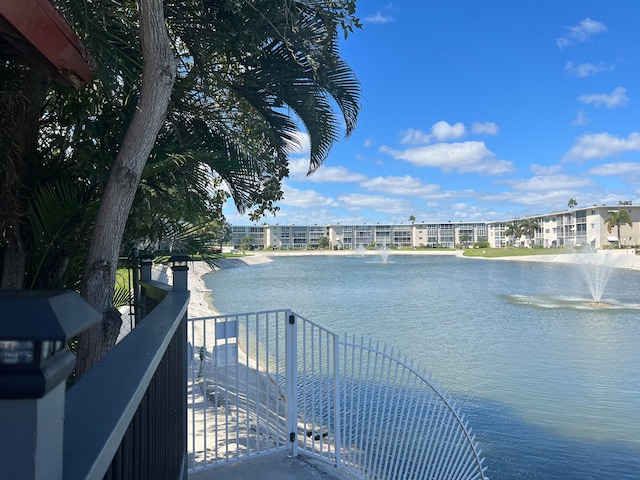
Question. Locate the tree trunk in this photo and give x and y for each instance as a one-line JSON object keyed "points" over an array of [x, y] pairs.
{"points": [[21, 103], [98, 284]]}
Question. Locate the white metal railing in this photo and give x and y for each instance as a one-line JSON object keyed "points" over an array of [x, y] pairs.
{"points": [[267, 381]]}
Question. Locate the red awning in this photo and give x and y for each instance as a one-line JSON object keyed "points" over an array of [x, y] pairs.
{"points": [[37, 33]]}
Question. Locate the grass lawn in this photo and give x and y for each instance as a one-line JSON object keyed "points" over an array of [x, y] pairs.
{"points": [[122, 278], [513, 252]]}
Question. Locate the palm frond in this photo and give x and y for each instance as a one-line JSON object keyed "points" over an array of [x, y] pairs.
{"points": [[58, 219]]}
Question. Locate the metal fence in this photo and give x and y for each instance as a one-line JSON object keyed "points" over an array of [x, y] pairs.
{"points": [[267, 381], [125, 419]]}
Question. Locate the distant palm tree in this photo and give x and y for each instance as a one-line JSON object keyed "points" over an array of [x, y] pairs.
{"points": [[412, 219], [617, 218], [529, 227], [512, 231], [572, 203]]}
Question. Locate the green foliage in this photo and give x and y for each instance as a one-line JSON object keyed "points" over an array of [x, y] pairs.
{"points": [[60, 223], [512, 232], [616, 219], [323, 242], [249, 74], [247, 243], [529, 227]]}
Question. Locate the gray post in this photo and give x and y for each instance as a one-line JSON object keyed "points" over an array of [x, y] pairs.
{"points": [[34, 432], [135, 254], [34, 365], [146, 262], [180, 267]]}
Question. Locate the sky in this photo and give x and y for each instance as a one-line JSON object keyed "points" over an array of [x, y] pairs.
{"points": [[478, 111]]}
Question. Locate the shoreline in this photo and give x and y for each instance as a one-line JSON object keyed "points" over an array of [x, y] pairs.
{"points": [[200, 304]]}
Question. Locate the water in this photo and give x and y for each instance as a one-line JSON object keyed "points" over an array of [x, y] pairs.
{"points": [[550, 386], [384, 253], [597, 271]]}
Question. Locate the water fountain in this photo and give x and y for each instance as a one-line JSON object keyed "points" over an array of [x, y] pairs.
{"points": [[596, 270], [384, 253], [360, 250]]}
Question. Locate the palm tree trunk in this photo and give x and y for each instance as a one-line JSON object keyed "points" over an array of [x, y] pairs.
{"points": [[157, 83]]}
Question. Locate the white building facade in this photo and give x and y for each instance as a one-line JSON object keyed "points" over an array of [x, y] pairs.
{"points": [[586, 226], [353, 237]]}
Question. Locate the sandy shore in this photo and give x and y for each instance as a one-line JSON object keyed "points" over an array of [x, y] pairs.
{"points": [[200, 303]]}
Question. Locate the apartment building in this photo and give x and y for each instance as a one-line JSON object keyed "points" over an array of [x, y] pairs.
{"points": [[586, 226], [352, 237]]}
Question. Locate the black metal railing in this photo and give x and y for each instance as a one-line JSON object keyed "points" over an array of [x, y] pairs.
{"points": [[126, 418]]}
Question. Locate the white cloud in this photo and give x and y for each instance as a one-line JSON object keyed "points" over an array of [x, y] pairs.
{"points": [[486, 128], [617, 98], [545, 169], [378, 18], [443, 131], [298, 171], [440, 131], [414, 137], [391, 206], [580, 120], [464, 157], [541, 201], [580, 33], [304, 198], [405, 186], [601, 145], [301, 145], [369, 142], [583, 70], [548, 183], [622, 169]]}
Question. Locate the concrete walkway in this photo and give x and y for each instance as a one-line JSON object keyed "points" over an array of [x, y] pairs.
{"points": [[274, 466]]}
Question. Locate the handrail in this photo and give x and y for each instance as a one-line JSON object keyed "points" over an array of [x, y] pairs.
{"points": [[455, 412], [356, 405], [102, 405]]}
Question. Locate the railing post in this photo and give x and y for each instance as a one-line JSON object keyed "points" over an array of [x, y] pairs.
{"points": [[291, 365], [146, 264], [34, 364], [337, 423], [135, 260], [180, 267]]}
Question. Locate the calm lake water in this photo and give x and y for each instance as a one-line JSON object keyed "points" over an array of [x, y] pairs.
{"points": [[550, 387]]}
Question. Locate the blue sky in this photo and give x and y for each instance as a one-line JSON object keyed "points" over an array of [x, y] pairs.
{"points": [[480, 111]]}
